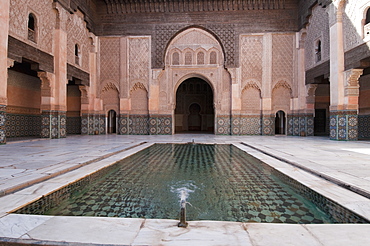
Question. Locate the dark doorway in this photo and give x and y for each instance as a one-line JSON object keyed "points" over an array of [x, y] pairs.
{"points": [[194, 107], [280, 123], [320, 122], [112, 122]]}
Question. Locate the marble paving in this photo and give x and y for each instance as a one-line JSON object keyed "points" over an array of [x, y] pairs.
{"points": [[31, 169]]}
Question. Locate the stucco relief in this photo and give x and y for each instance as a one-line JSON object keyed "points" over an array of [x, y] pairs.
{"points": [[109, 59], [318, 29], [189, 44], [110, 95], [251, 53], [45, 22], [282, 57], [281, 95], [77, 33], [139, 60], [353, 20], [251, 99], [139, 99]]}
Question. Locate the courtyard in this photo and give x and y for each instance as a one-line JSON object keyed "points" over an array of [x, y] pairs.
{"points": [[34, 168]]}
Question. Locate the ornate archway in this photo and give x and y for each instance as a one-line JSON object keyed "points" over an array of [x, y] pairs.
{"points": [[194, 106]]}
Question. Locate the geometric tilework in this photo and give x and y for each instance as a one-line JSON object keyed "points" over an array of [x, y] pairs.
{"points": [[268, 125], [160, 125], [145, 124], [19, 125], [138, 125], [344, 125], [223, 125], [53, 124], [300, 125], [246, 125], [123, 124], [92, 124], [364, 126], [73, 125], [3, 121]]}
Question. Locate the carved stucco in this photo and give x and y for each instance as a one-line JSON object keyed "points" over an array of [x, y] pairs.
{"points": [[109, 59], [77, 33], [45, 16], [251, 55], [139, 68], [282, 57], [353, 21], [318, 29]]}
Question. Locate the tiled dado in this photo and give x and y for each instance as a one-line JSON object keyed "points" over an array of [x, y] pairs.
{"points": [[145, 124], [2, 124], [364, 126], [160, 125], [343, 125], [223, 125], [74, 125], [300, 125], [92, 124], [268, 125], [246, 125], [53, 124]]}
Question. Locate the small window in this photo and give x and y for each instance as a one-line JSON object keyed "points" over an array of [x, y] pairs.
{"points": [[77, 54], [318, 50], [32, 27], [175, 58], [367, 24], [200, 58], [213, 57]]}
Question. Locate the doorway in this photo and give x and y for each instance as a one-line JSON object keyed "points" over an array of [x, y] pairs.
{"points": [[112, 122], [194, 107], [280, 123]]}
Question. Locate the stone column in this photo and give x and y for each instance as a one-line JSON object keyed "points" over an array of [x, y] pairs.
{"points": [[343, 84], [235, 101], [4, 27], [268, 119]]}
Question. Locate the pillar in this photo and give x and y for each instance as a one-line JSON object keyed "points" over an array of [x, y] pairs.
{"points": [[4, 27], [344, 87], [268, 118]]}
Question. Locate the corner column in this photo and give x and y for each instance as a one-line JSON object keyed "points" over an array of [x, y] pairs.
{"points": [[4, 27], [344, 87]]}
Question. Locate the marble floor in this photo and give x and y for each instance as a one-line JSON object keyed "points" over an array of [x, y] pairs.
{"points": [[32, 169]]}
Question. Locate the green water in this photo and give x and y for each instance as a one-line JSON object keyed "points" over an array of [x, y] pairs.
{"points": [[222, 182]]}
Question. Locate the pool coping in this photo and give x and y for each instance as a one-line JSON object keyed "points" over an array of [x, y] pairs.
{"points": [[36, 226]]}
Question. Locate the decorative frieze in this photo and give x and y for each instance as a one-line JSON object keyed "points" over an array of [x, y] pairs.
{"points": [[174, 6]]}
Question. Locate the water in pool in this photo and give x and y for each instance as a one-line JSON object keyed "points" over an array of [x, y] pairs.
{"points": [[221, 182]]}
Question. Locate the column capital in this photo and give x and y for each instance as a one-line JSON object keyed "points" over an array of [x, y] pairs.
{"points": [[10, 63], [310, 96], [352, 82], [46, 79]]}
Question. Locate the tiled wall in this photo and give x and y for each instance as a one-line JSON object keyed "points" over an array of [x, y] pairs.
{"points": [[246, 125], [145, 124], [343, 125], [73, 125], [223, 125], [300, 125], [364, 126], [92, 124], [2, 124], [22, 125]]}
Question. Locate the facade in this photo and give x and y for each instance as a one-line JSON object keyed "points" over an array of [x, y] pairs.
{"points": [[293, 67]]}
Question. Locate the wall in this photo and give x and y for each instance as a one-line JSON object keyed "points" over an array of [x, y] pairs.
{"points": [[23, 117]]}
